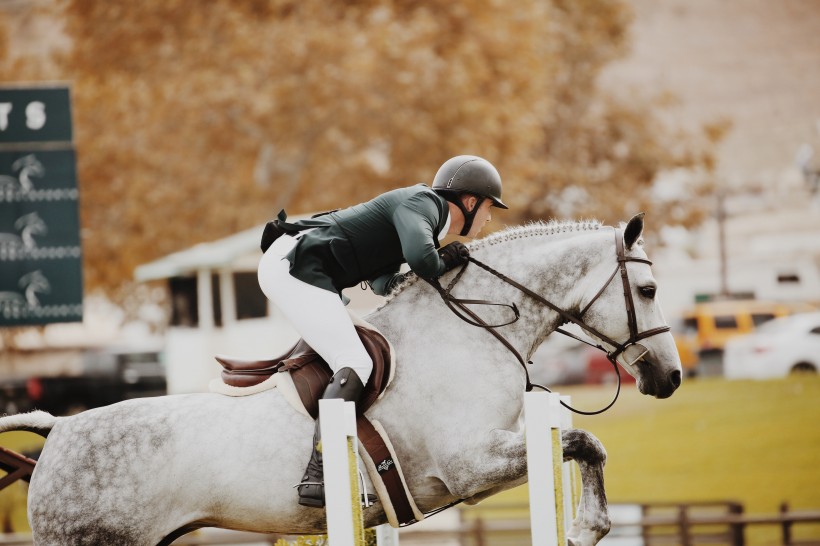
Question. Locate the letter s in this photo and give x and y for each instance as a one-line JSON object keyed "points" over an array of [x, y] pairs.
{"points": [[35, 115]]}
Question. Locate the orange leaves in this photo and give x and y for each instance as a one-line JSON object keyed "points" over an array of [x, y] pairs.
{"points": [[194, 120]]}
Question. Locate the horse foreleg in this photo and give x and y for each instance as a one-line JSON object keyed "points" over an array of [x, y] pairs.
{"points": [[591, 522], [475, 471]]}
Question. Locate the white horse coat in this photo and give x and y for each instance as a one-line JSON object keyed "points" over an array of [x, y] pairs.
{"points": [[144, 471]]}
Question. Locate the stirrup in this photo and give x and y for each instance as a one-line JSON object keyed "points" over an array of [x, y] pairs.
{"points": [[300, 484], [367, 499]]}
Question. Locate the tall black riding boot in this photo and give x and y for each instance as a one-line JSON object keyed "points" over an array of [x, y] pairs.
{"points": [[344, 384]]}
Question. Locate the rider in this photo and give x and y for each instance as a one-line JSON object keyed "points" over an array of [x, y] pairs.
{"points": [[307, 264]]}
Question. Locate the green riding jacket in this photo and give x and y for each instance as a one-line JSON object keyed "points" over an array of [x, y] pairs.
{"points": [[370, 241]]}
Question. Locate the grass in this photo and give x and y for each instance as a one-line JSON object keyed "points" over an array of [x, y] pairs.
{"points": [[754, 442], [13, 498]]}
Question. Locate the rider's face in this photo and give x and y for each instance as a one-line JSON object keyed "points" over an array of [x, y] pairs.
{"points": [[483, 216]]}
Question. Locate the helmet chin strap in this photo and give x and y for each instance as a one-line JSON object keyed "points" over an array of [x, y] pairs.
{"points": [[469, 216]]}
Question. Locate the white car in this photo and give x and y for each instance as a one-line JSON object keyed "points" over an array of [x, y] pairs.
{"points": [[777, 348]]}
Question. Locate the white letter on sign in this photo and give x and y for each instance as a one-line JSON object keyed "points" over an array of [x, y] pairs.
{"points": [[5, 108], [35, 115]]}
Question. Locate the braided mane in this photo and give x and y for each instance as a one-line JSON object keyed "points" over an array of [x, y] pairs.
{"points": [[532, 229], [536, 229]]}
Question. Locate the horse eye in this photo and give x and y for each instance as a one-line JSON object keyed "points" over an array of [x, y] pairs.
{"points": [[648, 291]]}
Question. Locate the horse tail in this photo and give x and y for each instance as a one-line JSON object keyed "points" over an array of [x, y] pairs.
{"points": [[38, 422]]}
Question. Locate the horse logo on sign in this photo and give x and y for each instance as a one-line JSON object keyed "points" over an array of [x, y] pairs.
{"points": [[27, 166], [31, 284], [27, 227]]}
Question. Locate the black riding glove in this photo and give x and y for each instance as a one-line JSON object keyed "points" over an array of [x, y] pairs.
{"points": [[454, 255]]}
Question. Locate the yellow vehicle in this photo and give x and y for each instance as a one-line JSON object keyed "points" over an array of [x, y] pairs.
{"points": [[707, 326], [717, 321], [688, 351]]}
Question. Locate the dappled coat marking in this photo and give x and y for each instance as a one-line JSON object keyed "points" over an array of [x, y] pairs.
{"points": [[137, 472]]}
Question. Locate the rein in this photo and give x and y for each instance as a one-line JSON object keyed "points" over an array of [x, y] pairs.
{"points": [[459, 308]]}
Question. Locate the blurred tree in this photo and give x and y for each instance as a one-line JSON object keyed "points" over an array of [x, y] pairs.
{"points": [[195, 120]]}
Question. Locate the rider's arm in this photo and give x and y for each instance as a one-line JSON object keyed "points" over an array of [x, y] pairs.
{"points": [[415, 222]]}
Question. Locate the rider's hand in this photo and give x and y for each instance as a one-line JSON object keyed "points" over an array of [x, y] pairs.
{"points": [[454, 255]]}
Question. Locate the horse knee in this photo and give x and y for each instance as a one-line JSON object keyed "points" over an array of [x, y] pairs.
{"points": [[501, 461], [580, 445]]}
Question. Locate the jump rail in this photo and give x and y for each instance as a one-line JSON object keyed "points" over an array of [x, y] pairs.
{"points": [[16, 466], [345, 525], [551, 502], [550, 487]]}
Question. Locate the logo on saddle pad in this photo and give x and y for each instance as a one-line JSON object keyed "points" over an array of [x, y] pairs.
{"points": [[385, 465]]}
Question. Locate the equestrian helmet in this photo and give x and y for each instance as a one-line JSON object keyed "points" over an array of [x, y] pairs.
{"points": [[469, 174]]}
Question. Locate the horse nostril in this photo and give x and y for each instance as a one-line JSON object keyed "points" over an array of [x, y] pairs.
{"points": [[674, 377]]}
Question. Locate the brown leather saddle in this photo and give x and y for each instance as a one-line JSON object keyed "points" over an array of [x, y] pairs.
{"points": [[310, 375], [309, 371]]}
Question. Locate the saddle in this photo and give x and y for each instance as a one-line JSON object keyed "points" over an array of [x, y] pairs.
{"points": [[310, 373]]}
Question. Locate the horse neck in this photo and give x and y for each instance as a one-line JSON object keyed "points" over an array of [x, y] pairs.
{"points": [[25, 178], [556, 267]]}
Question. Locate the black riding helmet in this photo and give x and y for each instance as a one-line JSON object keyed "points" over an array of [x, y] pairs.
{"points": [[468, 174]]}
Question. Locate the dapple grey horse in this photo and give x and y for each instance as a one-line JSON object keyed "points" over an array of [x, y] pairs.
{"points": [[145, 471]]}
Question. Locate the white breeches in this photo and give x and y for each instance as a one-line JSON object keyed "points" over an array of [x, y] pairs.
{"points": [[317, 314]]}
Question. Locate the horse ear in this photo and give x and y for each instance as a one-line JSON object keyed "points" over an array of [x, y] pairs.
{"points": [[633, 230]]}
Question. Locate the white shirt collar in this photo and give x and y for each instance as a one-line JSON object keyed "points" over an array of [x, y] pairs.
{"points": [[443, 233]]}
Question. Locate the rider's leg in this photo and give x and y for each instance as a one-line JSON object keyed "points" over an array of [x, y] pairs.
{"points": [[344, 384], [324, 323]]}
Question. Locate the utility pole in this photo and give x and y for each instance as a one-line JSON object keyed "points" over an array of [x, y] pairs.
{"points": [[811, 174], [721, 220]]}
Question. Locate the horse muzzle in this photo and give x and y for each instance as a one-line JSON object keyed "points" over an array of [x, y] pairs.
{"points": [[657, 384]]}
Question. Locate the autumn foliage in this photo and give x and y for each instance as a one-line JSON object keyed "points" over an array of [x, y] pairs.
{"points": [[194, 120]]}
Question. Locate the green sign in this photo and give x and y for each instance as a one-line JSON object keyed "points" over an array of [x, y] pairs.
{"points": [[40, 254], [41, 114]]}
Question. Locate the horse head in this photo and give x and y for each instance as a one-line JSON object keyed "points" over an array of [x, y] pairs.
{"points": [[642, 343], [596, 277]]}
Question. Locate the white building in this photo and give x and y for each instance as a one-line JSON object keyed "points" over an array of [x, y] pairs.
{"points": [[772, 252], [218, 308]]}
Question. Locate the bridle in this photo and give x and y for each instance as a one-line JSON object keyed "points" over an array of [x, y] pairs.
{"points": [[459, 307]]}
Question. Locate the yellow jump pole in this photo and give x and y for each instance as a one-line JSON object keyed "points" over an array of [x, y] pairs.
{"points": [[571, 485], [558, 466]]}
